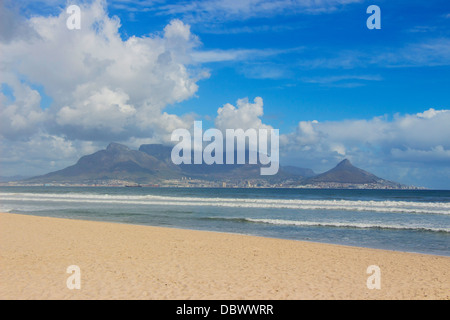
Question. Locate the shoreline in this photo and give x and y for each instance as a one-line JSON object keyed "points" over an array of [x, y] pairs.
{"points": [[233, 233], [127, 261], [306, 187]]}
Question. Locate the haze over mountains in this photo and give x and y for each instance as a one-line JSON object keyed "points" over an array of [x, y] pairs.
{"points": [[152, 165], [345, 172]]}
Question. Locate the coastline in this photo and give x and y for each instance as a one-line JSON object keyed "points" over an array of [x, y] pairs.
{"points": [[121, 261]]}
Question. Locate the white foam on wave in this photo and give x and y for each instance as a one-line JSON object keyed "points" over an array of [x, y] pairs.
{"points": [[297, 204], [347, 225]]}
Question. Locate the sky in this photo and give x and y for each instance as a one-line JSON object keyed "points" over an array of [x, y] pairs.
{"points": [[137, 70]]}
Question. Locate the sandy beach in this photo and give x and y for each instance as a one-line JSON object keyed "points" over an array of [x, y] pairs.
{"points": [[120, 261]]}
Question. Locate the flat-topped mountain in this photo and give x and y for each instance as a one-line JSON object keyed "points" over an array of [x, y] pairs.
{"points": [[152, 164], [116, 162], [304, 172]]}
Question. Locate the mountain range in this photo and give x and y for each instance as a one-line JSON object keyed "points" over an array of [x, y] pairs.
{"points": [[152, 164]]}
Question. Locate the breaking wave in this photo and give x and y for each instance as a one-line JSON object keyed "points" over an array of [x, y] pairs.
{"points": [[357, 225], [296, 204]]}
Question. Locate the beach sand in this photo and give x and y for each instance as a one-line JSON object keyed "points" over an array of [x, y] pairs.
{"points": [[119, 261]]}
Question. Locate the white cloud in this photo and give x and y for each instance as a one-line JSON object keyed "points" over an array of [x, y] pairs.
{"points": [[417, 138], [409, 141], [96, 79], [430, 113], [110, 106], [433, 155], [41, 152], [245, 116], [12, 25], [103, 88], [24, 116]]}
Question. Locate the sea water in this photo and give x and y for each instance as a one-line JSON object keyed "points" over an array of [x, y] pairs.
{"points": [[401, 220]]}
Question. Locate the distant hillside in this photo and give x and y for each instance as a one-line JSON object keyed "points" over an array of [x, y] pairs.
{"points": [[217, 171], [346, 173], [117, 162], [152, 164], [13, 178], [307, 173]]}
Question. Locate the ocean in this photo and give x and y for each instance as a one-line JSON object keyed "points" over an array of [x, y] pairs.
{"points": [[400, 220]]}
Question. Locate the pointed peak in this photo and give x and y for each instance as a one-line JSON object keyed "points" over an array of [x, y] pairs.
{"points": [[344, 162]]}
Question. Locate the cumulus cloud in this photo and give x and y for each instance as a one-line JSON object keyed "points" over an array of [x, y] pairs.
{"points": [[433, 155], [415, 138], [404, 141], [102, 87], [41, 153], [245, 115], [12, 25], [110, 106], [95, 78], [24, 115], [105, 88]]}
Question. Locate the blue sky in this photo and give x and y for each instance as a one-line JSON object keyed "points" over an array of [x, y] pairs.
{"points": [[360, 78], [300, 40], [326, 65], [308, 61]]}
